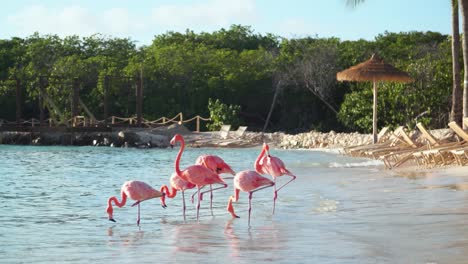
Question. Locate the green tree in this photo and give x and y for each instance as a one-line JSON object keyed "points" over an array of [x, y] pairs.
{"points": [[221, 114]]}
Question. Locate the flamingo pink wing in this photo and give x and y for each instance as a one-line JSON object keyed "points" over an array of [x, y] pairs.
{"points": [[201, 176], [180, 184], [139, 191]]}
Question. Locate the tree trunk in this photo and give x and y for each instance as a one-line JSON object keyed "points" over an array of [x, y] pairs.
{"points": [[457, 92], [374, 115], [277, 89], [464, 14]]}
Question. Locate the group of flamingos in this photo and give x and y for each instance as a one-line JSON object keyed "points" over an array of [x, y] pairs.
{"points": [[206, 171]]}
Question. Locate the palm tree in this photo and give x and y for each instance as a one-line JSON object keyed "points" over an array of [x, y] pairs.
{"points": [[457, 93], [464, 14]]}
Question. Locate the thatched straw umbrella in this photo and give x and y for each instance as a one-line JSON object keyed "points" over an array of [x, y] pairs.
{"points": [[374, 70]]}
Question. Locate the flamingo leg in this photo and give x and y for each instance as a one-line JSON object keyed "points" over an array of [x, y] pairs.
{"points": [[292, 179], [275, 196], [277, 190], [211, 199], [250, 197], [193, 195], [138, 218], [222, 187], [250, 204], [183, 204], [198, 205]]}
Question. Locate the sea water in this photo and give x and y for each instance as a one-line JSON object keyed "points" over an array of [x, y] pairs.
{"points": [[339, 210]]}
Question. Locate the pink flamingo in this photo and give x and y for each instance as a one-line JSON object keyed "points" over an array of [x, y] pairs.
{"points": [[196, 174], [247, 181], [267, 164], [215, 164], [177, 184], [135, 190]]}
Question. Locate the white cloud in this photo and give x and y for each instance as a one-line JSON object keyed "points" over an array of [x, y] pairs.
{"points": [[118, 22], [67, 21], [211, 14], [204, 15]]}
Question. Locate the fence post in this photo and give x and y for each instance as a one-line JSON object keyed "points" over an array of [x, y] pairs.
{"points": [[181, 118], [198, 123]]}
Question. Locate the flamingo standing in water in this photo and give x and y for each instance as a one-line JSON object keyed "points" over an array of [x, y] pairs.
{"points": [[177, 184], [215, 164], [247, 181], [267, 164], [135, 190], [196, 174]]}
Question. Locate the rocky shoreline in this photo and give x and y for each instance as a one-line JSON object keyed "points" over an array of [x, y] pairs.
{"points": [[159, 138]]}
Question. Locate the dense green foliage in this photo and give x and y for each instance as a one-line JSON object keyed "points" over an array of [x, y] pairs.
{"points": [[223, 114], [236, 67]]}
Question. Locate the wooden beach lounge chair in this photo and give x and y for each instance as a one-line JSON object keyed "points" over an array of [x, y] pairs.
{"points": [[381, 137], [400, 153], [460, 154], [442, 154], [400, 157], [363, 150]]}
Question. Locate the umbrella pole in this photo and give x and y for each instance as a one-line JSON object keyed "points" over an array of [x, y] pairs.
{"points": [[374, 116]]}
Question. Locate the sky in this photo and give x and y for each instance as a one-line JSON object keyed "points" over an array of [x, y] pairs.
{"points": [[141, 20]]}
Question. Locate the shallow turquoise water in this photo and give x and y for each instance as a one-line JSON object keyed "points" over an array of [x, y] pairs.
{"points": [[339, 210]]}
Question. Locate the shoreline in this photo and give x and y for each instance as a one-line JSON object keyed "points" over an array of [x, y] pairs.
{"points": [[159, 138]]}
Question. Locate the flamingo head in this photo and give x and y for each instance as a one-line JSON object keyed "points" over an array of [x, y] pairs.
{"points": [[110, 212], [177, 137], [224, 168], [230, 208], [163, 200]]}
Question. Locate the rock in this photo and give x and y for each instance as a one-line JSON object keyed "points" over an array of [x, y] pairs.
{"points": [[130, 137], [152, 140]]}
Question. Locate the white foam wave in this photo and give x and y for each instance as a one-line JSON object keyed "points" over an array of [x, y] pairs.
{"points": [[327, 206], [367, 163]]}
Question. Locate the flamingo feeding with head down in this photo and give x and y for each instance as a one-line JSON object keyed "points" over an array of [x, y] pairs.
{"points": [[177, 184], [215, 164], [247, 181], [135, 190], [196, 174], [267, 164]]}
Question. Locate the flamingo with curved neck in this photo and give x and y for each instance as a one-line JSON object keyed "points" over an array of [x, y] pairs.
{"points": [[196, 174], [177, 184], [267, 164], [136, 190], [247, 181], [217, 165]]}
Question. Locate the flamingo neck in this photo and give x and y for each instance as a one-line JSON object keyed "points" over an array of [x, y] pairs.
{"points": [[114, 199], [234, 198], [236, 195], [177, 161], [169, 193], [258, 166]]}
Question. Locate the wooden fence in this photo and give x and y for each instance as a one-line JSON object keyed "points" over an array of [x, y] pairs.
{"points": [[113, 121]]}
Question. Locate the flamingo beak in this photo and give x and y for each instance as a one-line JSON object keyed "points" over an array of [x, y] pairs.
{"points": [[112, 219]]}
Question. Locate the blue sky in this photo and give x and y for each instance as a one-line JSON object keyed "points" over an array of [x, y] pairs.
{"points": [[293, 18]]}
